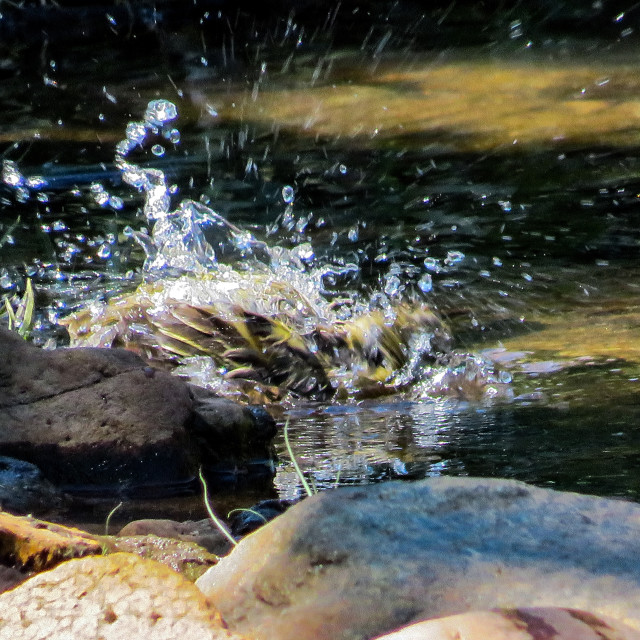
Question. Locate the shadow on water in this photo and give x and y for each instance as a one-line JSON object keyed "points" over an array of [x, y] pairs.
{"points": [[498, 181]]}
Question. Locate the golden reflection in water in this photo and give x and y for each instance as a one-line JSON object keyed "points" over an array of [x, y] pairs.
{"points": [[465, 107]]}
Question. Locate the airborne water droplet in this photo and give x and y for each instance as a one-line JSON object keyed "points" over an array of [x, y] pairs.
{"points": [[157, 150], [426, 283], [288, 194], [104, 251], [160, 111]]}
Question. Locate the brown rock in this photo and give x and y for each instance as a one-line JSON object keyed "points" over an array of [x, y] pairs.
{"points": [[186, 558], [358, 562], [36, 545], [93, 416], [201, 532], [518, 624], [114, 597], [102, 420]]}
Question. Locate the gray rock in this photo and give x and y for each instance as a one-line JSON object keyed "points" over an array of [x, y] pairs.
{"points": [[358, 562], [23, 488]]}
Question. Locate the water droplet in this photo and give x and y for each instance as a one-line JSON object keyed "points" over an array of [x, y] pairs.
{"points": [[11, 175], [115, 202], [124, 146], [42, 197], [157, 150], [343, 169], [304, 251], [36, 182], [453, 257], [432, 264], [104, 251], [353, 234], [426, 283], [496, 262], [174, 136], [128, 231], [58, 225], [288, 194], [5, 281], [505, 377], [136, 132], [160, 111], [393, 286]]}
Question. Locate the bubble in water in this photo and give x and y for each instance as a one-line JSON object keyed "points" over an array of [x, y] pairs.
{"points": [[42, 197], [58, 225], [157, 150], [505, 377], [11, 174], [343, 169], [426, 283], [104, 251], [496, 262], [128, 231], [353, 234], [288, 194], [160, 111]]}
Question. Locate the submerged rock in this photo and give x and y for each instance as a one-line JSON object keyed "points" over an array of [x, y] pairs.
{"points": [[358, 562], [102, 420], [111, 597]]}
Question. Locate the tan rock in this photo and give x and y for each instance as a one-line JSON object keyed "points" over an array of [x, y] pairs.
{"points": [[518, 624], [36, 545], [359, 562], [116, 597]]}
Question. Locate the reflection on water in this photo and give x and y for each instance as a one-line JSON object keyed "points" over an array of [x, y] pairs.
{"points": [[500, 188]]}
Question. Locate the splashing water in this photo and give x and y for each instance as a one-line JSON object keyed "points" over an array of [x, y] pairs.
{"points": [[265, 322]]}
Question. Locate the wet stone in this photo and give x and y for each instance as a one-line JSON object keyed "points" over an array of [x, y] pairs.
{"points": [[357, 562]]}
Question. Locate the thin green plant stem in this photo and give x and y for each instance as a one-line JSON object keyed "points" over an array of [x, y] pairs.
{"points": [[299, 473], [214, 518], [255, 513], [108, 520]]}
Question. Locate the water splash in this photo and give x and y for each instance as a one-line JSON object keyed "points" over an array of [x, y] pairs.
{"points": [[263, 318]]}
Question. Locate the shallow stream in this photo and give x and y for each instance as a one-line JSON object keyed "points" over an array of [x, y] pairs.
{"points": [[499, 183]]}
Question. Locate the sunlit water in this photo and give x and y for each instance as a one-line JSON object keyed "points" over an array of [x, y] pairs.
{"points": [[521, 232]]}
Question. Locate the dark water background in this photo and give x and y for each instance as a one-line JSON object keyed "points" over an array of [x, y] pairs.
{"points": [[549, 231]]}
